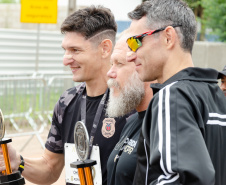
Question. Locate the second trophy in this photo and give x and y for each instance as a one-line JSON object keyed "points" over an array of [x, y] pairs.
{"points": [[84, 166]]}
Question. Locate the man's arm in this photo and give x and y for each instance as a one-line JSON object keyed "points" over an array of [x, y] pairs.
{"points": [[43, 170]]}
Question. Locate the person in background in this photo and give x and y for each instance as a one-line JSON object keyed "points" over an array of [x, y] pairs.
{"points": [[89, 36], [222, 76], [184, 128], [127, 92]]}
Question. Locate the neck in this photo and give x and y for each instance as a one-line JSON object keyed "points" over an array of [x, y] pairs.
{"points": [[175, 64], [147, 97], [98, 85], [96, 88]]}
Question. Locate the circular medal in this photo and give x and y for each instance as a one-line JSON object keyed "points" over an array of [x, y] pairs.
{"points": [[2, 125], [81, 139]]}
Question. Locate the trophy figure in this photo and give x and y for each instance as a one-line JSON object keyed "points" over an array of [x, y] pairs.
{"points": [[7, 177], [81, 139]]}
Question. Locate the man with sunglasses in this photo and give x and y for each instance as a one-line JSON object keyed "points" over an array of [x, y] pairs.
{"points": [[183, 137], [89, 36]]}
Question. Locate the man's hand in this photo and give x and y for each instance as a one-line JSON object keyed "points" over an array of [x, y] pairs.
{"points": [[14, 158]]}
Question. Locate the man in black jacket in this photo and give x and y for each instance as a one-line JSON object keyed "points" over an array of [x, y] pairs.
{"points": [[184, 133]]}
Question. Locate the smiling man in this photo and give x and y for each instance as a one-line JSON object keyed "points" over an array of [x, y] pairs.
{"points": [[88, 43], [184, 128]]}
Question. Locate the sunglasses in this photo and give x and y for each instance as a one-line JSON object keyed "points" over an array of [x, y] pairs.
{"points": [[135, 42]]}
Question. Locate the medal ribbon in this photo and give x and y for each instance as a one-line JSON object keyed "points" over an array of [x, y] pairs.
{"points": [[96, 119]]}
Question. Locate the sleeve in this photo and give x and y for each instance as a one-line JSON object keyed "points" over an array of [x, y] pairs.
{"points": [[54, 141], [182, 155]]}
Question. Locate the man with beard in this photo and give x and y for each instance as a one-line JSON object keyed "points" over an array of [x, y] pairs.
{"points": [[127, 92]]}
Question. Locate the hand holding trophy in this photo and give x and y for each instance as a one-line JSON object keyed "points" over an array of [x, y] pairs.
{"points": [[7, 177], [81, 139]]}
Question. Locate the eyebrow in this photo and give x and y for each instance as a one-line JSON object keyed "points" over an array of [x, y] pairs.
{"points": [[72, 47]]}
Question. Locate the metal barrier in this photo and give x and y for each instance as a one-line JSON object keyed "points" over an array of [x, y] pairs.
{"points": [[29, 100]]}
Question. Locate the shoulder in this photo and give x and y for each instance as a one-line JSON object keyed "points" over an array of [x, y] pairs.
{"points": [[178, 89], [131, 121], [65, 100]]}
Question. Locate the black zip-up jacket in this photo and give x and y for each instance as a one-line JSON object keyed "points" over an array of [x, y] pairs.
{"points": [[183, 137]]}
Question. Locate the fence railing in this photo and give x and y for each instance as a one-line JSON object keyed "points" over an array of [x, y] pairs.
{"points": [[27, 101]]}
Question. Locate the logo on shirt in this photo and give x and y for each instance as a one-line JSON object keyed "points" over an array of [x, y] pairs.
{"points": [[108, 127], [127, 145]]}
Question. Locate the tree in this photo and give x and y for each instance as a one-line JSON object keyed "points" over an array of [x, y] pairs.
{"points": [[215, 14], [198, 8]]}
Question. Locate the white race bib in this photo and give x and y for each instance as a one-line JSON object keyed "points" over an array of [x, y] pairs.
{"points": [[72, 173]]}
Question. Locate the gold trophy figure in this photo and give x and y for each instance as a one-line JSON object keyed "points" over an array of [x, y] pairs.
{"points": [[7, 177], [81, 139]]}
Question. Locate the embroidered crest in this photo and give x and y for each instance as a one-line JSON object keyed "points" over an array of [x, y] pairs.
{"points": [[108, 127]]}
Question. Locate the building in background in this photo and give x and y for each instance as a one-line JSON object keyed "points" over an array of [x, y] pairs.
{"points": [[10, 13]]}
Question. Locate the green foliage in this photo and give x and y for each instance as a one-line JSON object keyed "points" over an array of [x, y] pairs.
{"points": [[212, 14], [194, 3], [215, 14], [8, 1]]}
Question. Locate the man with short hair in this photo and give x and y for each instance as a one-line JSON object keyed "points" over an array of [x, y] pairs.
{"points": [[184, 127], [89, 36], [127, 92], [222, 76]]}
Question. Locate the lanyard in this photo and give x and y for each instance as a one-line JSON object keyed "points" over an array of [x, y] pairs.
{"points": [[96, 119]]}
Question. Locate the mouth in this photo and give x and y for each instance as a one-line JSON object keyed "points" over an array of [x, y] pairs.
{"points": [[76, 68], [112, 84], [138, 66]]}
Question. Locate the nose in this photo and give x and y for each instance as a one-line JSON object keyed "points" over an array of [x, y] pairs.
{"points": [[112, 73], [68, 59], [131, 56]]}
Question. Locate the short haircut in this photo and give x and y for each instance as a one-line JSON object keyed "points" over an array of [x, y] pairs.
{"points": [[161, 13], [91, 21]]}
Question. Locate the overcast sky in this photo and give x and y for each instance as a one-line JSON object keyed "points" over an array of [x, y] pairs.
{"points": [[63, 2], [120, 8]]}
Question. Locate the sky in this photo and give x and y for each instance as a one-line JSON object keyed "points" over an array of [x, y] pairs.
{"points": [[63, 2], [120, 8]]}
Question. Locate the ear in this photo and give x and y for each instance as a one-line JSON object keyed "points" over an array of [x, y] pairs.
{"points": [[106, 48], [170, 37]]}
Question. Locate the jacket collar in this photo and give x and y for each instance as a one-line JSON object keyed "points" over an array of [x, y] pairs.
{"points": [[191, 74]]}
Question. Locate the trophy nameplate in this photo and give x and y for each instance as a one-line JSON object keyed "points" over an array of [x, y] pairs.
{"points": [[7, 177], [81, 139]]}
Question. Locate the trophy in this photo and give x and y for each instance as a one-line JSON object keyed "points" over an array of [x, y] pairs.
{"points": [[7, 177], [84, 166]]}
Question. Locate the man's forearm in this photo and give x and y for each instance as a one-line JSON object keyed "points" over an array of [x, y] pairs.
{"points": [[43, 170]]}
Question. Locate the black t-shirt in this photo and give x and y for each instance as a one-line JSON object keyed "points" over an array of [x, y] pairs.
{"points": [[68, 111], [122, 161]]}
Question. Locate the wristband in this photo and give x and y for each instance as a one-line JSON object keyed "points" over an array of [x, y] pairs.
{"points": [[21, 167]]}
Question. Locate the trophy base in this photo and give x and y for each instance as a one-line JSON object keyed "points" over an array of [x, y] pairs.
{"points": [[12, 179], [5, 141], [83, 164]]}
